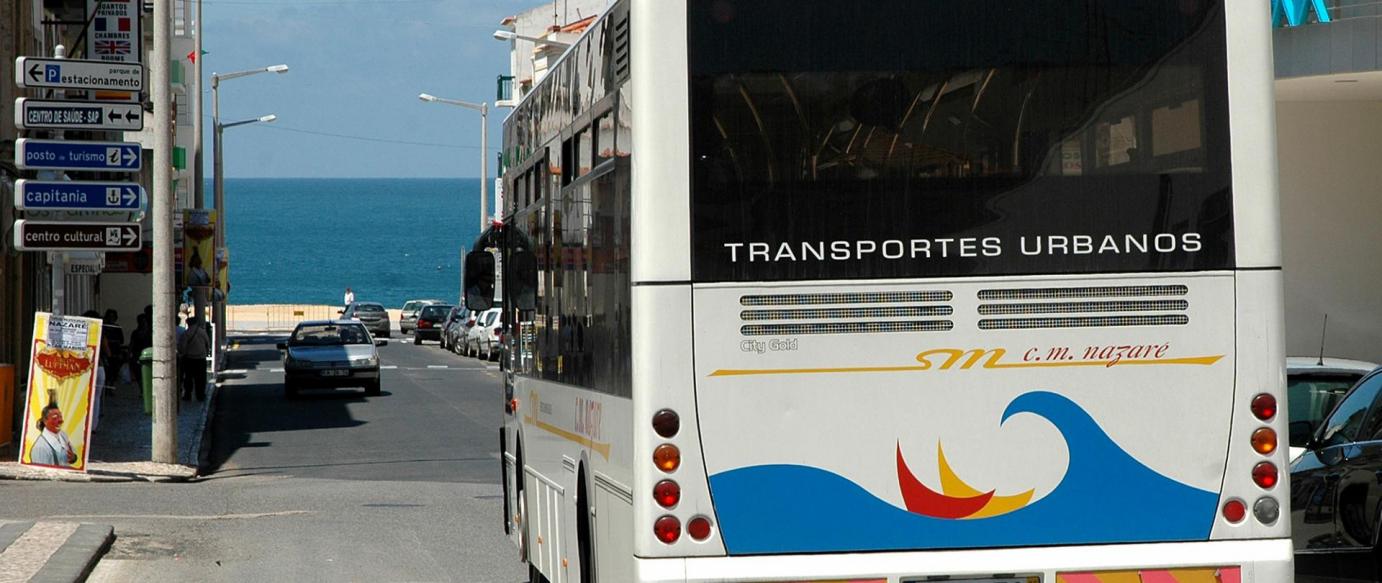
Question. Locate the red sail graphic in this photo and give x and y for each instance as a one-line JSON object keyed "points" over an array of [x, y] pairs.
{"points": [[927, 502]]}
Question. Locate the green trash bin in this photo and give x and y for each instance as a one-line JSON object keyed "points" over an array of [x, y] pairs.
{"points": [[146, 378]]}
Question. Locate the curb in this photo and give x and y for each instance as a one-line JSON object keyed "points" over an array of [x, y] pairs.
{"points": [[203, 438], [77, 557]]}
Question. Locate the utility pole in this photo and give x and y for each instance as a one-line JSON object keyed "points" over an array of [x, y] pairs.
{"points": [[165, 423], [58, 281], [199, 299]]}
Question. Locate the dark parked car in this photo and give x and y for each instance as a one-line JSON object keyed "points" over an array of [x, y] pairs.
{"points": [[429, 322], [329, 354], [1336, 487], [371, 314], [407, 317], [453, 330]]}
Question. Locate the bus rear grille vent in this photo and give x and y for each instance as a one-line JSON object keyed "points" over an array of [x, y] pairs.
{"points": [[846, 313], [1056, 293], [847, 298], [846, 328], [1141, 310]]}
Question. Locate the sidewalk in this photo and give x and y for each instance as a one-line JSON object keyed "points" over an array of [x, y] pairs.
{"points": [[122, 443]]}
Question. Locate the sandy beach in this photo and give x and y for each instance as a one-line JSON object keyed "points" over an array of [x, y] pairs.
{"points": [[283, 317]]}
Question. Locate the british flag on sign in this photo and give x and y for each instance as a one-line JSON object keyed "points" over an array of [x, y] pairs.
{"points": [[112, 47]]}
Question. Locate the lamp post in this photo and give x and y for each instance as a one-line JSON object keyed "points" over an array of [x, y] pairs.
{"points": [[483, 108], [219, 306], [511, 35]]}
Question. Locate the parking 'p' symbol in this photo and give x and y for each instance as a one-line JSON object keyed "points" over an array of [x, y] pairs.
{"points": [[52, 73]]}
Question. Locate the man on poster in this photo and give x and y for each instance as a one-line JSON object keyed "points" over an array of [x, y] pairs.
{"points": [[52, 448], [65, 357]]}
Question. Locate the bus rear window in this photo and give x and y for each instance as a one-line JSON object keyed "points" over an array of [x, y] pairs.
{"points": [[1057, 137]]}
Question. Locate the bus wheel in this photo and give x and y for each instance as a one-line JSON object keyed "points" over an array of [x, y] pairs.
{"points": [[584, 536]]}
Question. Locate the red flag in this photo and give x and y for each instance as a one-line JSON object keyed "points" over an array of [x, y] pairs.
{"points": [[192, 56]]}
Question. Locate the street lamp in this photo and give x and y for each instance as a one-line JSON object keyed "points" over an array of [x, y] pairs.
{"points": [[511, 35], [219, 306], [483, 108]]}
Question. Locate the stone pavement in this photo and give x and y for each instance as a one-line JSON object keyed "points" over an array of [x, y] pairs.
{"points": [[122, 443], [51, 552], [121, 446]]}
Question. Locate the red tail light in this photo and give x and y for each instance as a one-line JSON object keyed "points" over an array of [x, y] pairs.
{"points": [[1265, 475], [1264, 406], [667, 529], [699, 528], [667, 493], [424, 323], [1235, 510]]}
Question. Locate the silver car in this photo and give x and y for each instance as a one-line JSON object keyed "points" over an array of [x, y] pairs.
{"points": [[324, 354], [371, 314], [407, 318]]}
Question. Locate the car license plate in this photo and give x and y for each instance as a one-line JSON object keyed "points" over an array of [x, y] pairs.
{"points": [[335, 373]]}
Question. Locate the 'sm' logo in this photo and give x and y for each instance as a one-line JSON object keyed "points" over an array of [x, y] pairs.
{"points": [[953, 357]]}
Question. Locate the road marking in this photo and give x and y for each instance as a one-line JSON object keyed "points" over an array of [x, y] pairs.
{"points": [[389, 367], [237, 371], [186, 517], [275, 370], [437, 366]]}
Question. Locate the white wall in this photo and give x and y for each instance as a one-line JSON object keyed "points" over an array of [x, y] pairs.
{"points": [[1331, 201]]}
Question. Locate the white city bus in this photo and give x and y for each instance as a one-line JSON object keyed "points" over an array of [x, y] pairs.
{"points": [[901, 290]]}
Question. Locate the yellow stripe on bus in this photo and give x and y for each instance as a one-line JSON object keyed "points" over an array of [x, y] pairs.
{"points": [[1196, 360]]}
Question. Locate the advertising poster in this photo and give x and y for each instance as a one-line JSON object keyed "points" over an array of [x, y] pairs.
{"points": [[198, 248], [115, 31], [62, 379]]}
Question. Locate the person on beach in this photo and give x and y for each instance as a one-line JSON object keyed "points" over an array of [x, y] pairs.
{"points": [[349, 297], [52, 448]]}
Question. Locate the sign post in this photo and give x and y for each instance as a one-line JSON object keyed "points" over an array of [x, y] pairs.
{"points": [[78, 115], [62, 236], [41, 73], [78, 196], [32, 154]]}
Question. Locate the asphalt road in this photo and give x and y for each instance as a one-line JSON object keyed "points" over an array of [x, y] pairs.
{"points": [[332, 486]]}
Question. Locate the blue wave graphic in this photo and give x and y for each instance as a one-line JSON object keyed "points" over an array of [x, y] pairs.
{"points": [[1106, 496]]}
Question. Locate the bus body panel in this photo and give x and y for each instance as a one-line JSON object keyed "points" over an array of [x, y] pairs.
{"points": [[1251, 95], [967, 436], [1262, 560], [662, 233]]}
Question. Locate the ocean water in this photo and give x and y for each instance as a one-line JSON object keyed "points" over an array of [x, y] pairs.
{"points": [[304, 240]]}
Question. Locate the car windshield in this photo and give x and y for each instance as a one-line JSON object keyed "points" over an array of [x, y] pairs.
{"points": [[489, 318], [1310, 397], [435, 311], [370, 309], [329, 335]]}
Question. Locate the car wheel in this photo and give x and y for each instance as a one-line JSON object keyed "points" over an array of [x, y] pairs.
{"points": [[290, 390], [417, 339], [372, 389]]}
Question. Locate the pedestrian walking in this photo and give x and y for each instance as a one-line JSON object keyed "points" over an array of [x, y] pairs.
{"points": [[192, 351], [349, 297]]}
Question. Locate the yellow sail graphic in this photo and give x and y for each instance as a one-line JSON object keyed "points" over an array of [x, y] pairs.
{"points": [[953, 486]]}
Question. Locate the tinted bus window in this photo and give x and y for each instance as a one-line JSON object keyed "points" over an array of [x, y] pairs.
{"points": [[996, 143]]}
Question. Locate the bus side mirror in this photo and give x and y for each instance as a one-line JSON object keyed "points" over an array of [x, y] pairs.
{"points": [[479, 280], [523, 287]]}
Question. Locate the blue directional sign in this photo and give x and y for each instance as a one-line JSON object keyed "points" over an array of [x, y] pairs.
{"points": [[78, 196], [68, 155]]}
